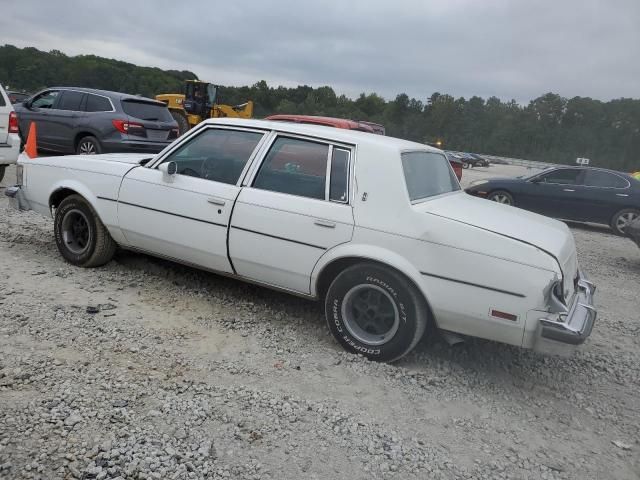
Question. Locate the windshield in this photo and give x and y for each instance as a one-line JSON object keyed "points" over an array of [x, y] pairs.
{"points": [[428, 174]]}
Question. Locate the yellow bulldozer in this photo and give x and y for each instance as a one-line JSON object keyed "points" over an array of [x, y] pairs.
{"points": [[199, 102]]}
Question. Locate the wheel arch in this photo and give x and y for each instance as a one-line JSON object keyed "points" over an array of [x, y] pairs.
{"points": [[337, 260], [64, 190], [80, 135]]}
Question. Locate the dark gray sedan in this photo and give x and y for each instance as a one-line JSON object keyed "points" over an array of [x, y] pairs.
{"points": [[582, 194], [87, 121]]}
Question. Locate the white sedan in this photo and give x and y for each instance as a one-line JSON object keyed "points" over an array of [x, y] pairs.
{"points": [[375, 227]]}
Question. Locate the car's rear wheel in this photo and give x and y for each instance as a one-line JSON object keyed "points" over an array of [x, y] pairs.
{"points": [[465, 164], [501, 196], [81, 237], [623, 219], [181, 120], [88, 145], [375, 311]]}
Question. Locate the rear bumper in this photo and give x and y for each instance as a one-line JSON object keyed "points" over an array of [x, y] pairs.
{"points": [[9, 151], [558, 332], [17, 198], [134, 146]]}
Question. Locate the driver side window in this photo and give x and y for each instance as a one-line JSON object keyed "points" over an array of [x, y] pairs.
{"points": [[562, 176], [45, 99], [218, 155]]}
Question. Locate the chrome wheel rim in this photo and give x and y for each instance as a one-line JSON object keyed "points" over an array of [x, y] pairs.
{"points": [[370, 314], [626, 219], [76, 233], [87, 148], [501, 198]]}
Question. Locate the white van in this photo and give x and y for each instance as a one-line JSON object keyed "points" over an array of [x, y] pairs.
{"points": [[9, 136]]}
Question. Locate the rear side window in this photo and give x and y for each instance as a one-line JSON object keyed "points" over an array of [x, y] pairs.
{"points": [[96, 103], [428, 174], [217, 155], [296, 167], [70, 101], [338, 188], [147, 111], [597, 178]]}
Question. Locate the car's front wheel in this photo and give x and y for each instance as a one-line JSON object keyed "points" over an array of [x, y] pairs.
{"points": [[623, 219], [88, 145], [375, 311], [466, 164], [501, 196], [81, 237]]}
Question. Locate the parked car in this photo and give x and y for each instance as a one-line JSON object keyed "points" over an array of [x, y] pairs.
{"points": [[377, 228], [583, 194], [360, 126], [87, 121], [18, 97], [633, 231], [456, 164], [9, 138], [477, 161]]}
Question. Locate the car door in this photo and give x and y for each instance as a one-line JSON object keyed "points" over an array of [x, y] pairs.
{"points": [[64, 118], [601, 195], [295, 207], [552, 193], [186, 216], [37, 110]]}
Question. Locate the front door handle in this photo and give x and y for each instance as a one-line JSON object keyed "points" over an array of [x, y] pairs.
{"points": [[622, 195], [216, 201], [568, 190], [324, 223]]}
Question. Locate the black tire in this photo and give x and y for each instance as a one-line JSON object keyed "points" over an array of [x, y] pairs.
{"points": [[2, 170], [622, 219], [465, 165], [81, 237], [88, 145], [181, 120], [501, 196], [398, 300]]}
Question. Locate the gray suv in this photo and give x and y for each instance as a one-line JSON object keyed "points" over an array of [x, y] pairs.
{"points": [[87, 121]]}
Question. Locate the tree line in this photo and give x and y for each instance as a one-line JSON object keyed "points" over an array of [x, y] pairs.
{"points": [[550, 128]]}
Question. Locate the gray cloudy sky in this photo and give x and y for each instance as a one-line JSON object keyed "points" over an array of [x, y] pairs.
{"points": [[509, 48]]}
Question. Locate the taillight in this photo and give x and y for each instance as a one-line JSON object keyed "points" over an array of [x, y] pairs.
{"points": [[13, 123], [130, 128]]}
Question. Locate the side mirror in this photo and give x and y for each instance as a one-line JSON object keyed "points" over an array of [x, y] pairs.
{"points": [[27, 104], [168, 169]]}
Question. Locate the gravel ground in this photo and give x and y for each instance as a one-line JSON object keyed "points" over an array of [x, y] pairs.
{"points": [[144, 369]]}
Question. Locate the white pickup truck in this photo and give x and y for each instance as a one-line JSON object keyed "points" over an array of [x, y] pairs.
{"points": [[375, 227], [9, 137]]}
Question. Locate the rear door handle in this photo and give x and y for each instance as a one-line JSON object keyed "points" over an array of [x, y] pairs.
{"points": [[568, 190], [324, 223], [622, 194], [216, 201]]}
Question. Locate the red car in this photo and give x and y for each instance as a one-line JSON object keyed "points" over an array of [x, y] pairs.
{"points": [[368, 127]]}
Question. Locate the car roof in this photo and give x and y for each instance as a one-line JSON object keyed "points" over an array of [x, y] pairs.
{"points": [[330, 133], [108, 93], [319, 120], [582, 167]]}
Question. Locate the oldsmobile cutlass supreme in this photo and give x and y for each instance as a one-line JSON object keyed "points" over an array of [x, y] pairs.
{"points": [[375, 227]]}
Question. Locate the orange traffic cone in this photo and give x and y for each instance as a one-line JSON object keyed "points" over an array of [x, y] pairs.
{"points": [[31, 147]]}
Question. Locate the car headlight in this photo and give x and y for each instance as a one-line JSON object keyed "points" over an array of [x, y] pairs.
{"points": [[19, 174]]}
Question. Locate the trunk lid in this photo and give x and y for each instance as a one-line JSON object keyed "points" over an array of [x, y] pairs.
{"points": [[550, 235], [155, 118]]}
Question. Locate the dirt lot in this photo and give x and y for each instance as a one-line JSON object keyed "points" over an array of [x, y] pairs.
{"points": [[183, 374]]}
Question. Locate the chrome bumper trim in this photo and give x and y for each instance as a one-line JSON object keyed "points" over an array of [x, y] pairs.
{"points": [[574, 326]]}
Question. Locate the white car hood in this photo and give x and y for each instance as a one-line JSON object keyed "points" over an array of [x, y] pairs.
{"points": [[549, 235]]}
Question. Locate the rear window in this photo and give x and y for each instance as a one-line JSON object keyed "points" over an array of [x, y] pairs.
{"points": [[428, 174], [147, 111]]}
